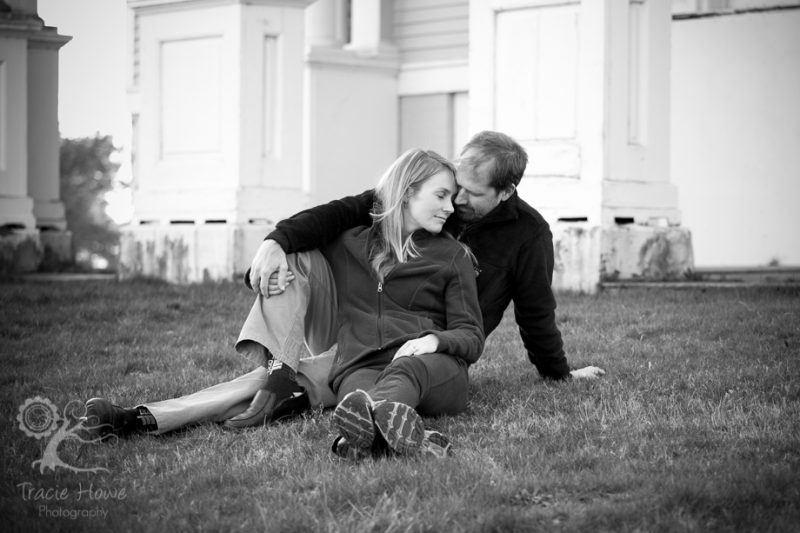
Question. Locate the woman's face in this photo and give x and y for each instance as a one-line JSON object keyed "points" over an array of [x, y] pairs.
{"points": [[431, 205]]}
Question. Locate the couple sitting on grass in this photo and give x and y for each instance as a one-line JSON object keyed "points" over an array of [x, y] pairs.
{"points": [[405, 291]]}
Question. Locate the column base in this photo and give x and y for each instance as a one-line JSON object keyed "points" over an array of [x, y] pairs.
{"points": [[49, 214], [57, 247], [189, 253], [21, 251], [587, 255]]}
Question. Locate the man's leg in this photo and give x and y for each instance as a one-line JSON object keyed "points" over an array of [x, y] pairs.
{"points": [[213, 404], [301, 320], [300, 304], [216, 403]]}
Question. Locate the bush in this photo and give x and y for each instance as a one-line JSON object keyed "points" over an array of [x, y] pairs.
{"points": [[87, 174]]}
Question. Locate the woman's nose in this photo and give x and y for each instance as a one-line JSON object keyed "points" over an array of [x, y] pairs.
{"points": [[448, 206], [460, 197]]}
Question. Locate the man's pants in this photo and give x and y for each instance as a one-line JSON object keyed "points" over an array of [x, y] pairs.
{"points": [[300, 322]]}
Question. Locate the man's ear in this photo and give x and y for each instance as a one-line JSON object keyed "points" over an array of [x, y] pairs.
{"points": [[506, 193]]}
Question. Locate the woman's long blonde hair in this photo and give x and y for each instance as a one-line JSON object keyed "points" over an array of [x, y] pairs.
{"points": [[400, 182]]}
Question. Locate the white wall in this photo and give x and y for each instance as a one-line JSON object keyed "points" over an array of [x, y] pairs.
{"points": [[736, 136]]}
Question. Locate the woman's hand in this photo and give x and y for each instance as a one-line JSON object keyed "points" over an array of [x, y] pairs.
{"points": [[427, 344], [274, 288], [269, 271]]}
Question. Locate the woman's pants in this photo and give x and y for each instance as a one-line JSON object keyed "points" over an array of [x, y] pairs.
{"points": [[433, 383]]}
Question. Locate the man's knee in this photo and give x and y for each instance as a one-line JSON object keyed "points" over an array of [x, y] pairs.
{"points": [[303, 264]]}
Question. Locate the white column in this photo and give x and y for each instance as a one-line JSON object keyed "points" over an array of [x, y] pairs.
{"points": [[637, 65], [43, 135], [371, 26], [350, 101], [16, 206], [218, 90], [326, 24], [583, 85], [29, 146]]}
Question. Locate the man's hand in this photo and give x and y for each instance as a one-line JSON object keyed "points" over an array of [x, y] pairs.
{"points": [[269, 271], [427, 344], [588, 372]]}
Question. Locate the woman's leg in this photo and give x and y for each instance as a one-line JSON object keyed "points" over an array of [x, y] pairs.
{"points": [[363, 378], [434, 384]]}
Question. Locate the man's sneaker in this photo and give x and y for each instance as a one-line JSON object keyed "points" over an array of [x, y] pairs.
{"points": [[434, 444], [400, 426], [352, 419], [104, 419]]}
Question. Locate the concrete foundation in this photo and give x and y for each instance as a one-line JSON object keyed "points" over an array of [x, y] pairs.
{"points": [[23, 251], [190, 253], [57, 247], [20, 251], [587, 255]]}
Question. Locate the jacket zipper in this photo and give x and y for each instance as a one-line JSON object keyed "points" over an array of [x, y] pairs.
{"points": [[380, 313]]}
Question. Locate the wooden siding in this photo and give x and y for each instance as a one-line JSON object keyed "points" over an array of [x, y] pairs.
{"points": [[431, 30]]}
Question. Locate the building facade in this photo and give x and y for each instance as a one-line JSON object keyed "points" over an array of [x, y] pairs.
{"points": [[245, 112], [257, 109]]}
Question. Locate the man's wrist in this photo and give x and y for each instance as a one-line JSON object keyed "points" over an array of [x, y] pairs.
{"points": [[279, 238]]}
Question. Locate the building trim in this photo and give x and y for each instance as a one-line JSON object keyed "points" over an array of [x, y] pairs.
{"points": [[170, 5], [321, 55], [433, 77], [726, 13]]}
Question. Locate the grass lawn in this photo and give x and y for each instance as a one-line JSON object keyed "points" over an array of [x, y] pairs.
{"points": [[695, 427]]}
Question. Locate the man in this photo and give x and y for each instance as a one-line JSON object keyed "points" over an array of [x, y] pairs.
{"points": [[514, 250]]}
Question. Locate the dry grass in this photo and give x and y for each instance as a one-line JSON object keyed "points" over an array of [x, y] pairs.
{"points": [[694, 428]]}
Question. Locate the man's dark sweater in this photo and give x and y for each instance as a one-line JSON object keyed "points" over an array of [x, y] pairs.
{"points": [[514, 248]]}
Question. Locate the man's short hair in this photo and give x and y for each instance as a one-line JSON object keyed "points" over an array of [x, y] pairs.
{"points": [[508, 156]]}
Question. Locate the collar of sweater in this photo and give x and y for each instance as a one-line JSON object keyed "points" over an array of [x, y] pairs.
{"points": [[504, 211]]}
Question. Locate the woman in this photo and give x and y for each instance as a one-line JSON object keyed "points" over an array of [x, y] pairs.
{"points": [[410, 324]]}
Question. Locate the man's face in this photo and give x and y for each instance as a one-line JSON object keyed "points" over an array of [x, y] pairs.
{"points": [[475, 197]]}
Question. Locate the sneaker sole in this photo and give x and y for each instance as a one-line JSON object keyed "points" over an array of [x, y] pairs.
{"points": [[352, 418], [400, 426], [436, 445], [345, 450]]}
